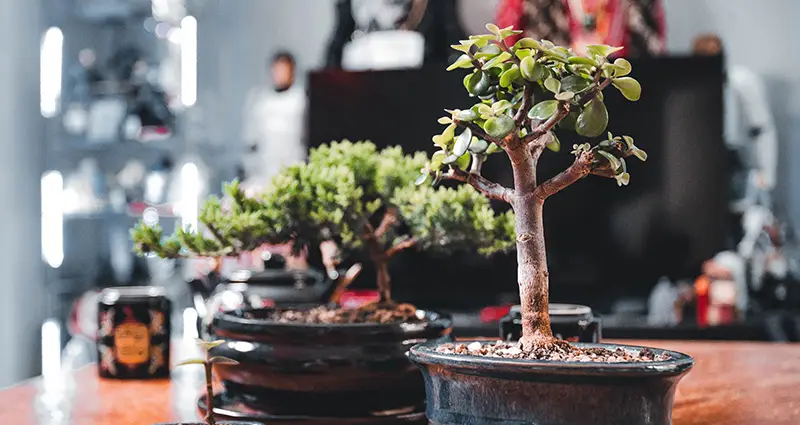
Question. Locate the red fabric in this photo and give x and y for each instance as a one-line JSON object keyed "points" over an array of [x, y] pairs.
{"points": [[509, 14]]}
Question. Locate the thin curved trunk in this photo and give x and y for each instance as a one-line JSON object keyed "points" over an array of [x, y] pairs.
{"points": [[532, 274], [384, 281]]}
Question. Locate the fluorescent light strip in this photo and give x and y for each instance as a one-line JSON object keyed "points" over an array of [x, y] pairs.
{"points": [[51, 57], [188, 41], [52, 186]]}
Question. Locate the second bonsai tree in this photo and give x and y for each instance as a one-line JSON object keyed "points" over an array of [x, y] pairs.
{"points": [[524, 92], [354, 195]]}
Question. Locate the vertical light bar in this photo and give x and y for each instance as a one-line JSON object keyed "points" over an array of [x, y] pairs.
{"points": [[188, 60], [190, 191], [190, 324], [50, 62], [52, 218], [51, 352]]}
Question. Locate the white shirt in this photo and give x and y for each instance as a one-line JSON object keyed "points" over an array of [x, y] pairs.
{"points": [[275, 124]]}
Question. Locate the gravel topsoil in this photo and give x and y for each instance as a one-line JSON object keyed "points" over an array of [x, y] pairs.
{"points": [[561, 351]]}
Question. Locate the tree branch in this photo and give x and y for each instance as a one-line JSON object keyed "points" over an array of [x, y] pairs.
{"points": [[405, 244], [388, 220], [478, 131], [592, 92], [522, 114], [578, 170], [545, 127], [490, 189]]}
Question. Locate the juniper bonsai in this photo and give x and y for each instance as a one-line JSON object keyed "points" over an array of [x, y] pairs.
{"points": [[568, 89], [359, 197]]}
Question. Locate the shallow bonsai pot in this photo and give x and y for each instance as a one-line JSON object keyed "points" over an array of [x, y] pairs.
{"points": [[472, 390], [331, 370]]}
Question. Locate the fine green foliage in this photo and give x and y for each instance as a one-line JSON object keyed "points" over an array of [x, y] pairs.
{"points": [[453, 219], [347, 192], [519, 88]]}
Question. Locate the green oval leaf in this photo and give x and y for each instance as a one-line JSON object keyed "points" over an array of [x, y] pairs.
{"points": [[526, 43], [499, 127], [629, 88], [623, 179], [222, 360], [483, 85], [492, 28], [628, 141], [463, 61], [531, 70], [575, 83], [466, 115], [471, 80], [462, 142], [437, 140], [464, 46], [622, 67], [497, 60], [565, 95], [601, 49], [641, 154], [207, 345], [554, 144], [568, 122], [449, 134], [478, 145], [508, 77], [463, 161], [445, 120], [543, 110], [593, 121], [552, 84], [449, 159], [500, 106], [493, 148], [488, 51], [421, 179], [485, 111], [437, 160], [580, 60], [522, 53], [192, 361], [612, 160]]}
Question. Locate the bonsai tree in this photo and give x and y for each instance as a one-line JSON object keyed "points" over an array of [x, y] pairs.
{"points": [[348, 193], [524, 92], [208, 362]]}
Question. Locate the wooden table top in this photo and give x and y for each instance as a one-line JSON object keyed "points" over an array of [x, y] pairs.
{"points": [[732, 383]]}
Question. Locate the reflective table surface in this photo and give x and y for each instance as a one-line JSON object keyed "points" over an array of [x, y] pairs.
{"points": [[732, 383]]}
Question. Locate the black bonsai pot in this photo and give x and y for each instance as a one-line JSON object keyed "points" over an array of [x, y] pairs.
{"points": [[472, 390], [332, 370]]}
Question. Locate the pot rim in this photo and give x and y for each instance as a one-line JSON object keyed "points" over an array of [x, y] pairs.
{"points": [[233, 318], [425, 354]]}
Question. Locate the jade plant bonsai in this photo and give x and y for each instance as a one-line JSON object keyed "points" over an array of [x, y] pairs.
{"points": [[524, 92], [208, 363], [352, 194]]}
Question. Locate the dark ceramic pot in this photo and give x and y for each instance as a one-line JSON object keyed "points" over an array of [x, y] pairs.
{"points": [[471, 390], [342, 370]]}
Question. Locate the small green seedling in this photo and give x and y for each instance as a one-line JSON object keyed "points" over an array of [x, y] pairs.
{"points": [[208, 363]]}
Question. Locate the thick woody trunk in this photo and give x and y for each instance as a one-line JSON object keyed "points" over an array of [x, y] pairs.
{"points": [[532, 275], [384, 281]]}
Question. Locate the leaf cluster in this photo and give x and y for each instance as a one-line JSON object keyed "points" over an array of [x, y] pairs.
{"points": [[519, 87], [339, 194]]}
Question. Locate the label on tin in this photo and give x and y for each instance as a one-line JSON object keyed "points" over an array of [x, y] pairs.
{"points": [[132, 343]]}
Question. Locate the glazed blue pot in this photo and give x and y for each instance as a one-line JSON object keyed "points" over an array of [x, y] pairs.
{"points": [[473, 390]]}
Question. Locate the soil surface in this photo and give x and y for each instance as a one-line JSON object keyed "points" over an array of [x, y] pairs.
{"points": [[326, 314], [560, 351]]}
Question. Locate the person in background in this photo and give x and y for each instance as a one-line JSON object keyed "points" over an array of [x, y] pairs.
{"points": [[636, 25], [274, 127]]}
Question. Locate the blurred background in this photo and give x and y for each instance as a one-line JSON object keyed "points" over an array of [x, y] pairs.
{"points": [[114, 111]]}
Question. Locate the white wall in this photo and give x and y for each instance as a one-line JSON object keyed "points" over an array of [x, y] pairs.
{"points": [[764, 36], [22, 295]]}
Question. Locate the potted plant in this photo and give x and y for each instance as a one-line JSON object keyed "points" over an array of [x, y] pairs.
{"points": [[345, 362], [525, 91], [208, 362]]}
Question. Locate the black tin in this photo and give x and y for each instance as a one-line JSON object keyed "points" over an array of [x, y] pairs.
{"points": [[570, 322], [133, 337]]}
